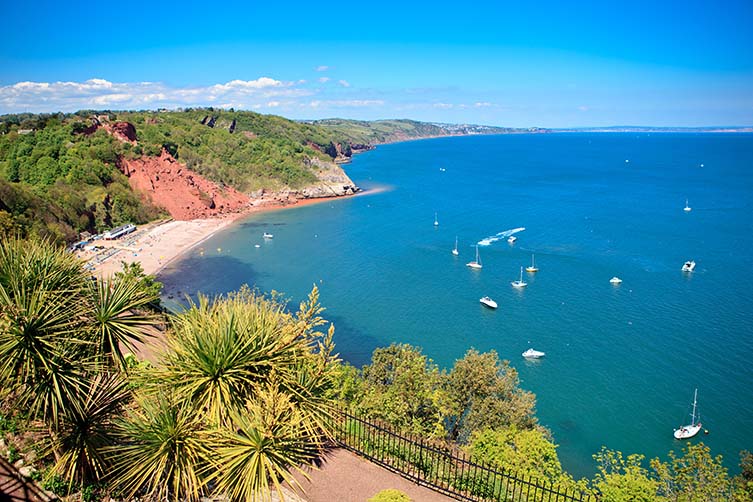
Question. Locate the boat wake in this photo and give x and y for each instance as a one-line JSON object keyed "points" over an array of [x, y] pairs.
{"points": [[502, 235]]}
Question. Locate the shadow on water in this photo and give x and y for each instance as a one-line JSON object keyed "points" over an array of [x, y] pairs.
{"points": [[215, 274], [221, 274], [353, 344]]}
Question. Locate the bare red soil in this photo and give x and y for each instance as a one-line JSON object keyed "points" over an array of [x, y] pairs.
{"points": [[185, 194]]}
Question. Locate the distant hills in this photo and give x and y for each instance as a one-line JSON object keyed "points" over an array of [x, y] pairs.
{"points": [[360, 132]]}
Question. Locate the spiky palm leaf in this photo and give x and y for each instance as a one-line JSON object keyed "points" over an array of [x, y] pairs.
{"points": [[219, 351], [120, 317], [43, 311], [268, 440], [86, 430], [163, 452]]}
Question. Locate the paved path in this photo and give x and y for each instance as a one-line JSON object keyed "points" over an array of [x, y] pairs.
{"points": [[346, 477]]}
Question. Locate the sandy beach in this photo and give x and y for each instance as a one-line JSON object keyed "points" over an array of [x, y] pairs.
{"points": [[154, 245]]}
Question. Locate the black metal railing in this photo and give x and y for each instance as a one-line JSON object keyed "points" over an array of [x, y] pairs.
{"points": [[441, 467]]}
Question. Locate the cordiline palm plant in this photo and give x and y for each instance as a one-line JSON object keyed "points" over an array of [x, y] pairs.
{"points": [[86, 431], [164, 451], [120, 317], [219, 351], [251, 373], [270, 438], [43, 314]]}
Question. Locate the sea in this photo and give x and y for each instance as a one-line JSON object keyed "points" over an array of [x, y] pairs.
{"points": [[622, 361]]}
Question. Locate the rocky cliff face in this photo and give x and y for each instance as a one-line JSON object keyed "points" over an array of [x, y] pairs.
{"points": [[183, 193]]}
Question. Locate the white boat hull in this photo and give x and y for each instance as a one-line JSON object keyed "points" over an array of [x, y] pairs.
{"points": [[687, 431], [488, 302], [533, 354], [473, 264]]}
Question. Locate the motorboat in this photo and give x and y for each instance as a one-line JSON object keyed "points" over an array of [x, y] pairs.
{"points": [[488, 302], [267, 235], [519, 283], [477, 262], [689, 266], [512, 239], [533, 267], [615, 280], [688, 431], [533, 354]]}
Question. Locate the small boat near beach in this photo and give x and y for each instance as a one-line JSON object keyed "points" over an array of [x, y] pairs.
{"points": [[687, 208], [689, 266], [615, 280], [533, 267], [519, 283], [533, 354], [455, 250], [436, 221], [488, 302], [267, 235], [512, 239], [688, 431], [477, 262]]}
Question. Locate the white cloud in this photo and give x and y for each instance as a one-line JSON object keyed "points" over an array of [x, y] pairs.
{"points": [[323, 79], [100, 93], [443, 106], [583, 108], [322, 68], [345, 103], [273, 104], [343, 83], [482, 104]]}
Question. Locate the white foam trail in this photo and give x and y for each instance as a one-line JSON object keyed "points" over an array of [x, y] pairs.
{"points": [[502, 235]]}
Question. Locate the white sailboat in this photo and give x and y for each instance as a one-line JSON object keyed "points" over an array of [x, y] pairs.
{"points": [[687, 208], [477, 262], [519, 283], [455, 250], [436, 221], [533, 267], [688, 431]]}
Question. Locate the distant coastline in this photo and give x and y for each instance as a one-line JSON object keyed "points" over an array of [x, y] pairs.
{"points": [[715, 129]]}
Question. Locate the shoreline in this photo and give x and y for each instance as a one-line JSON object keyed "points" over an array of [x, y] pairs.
{"points": [[155, 245]]}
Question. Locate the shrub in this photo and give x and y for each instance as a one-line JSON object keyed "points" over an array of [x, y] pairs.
{"points": [[390, 495]]}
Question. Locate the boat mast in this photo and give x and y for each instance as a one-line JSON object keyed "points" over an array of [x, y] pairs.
{"points": [[695, 396]]}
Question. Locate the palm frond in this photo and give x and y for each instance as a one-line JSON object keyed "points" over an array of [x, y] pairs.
{"points": [[163, 451], [120, 317], [86, 430], [268, 441]]}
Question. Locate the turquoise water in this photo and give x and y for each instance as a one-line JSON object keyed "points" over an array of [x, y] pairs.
{"points": [[622, 361]]}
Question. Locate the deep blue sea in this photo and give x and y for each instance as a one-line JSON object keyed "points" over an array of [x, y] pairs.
{"points": [[621, 361]]}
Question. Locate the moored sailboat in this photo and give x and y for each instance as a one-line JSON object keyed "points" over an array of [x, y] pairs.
{"points": [[519, 283], [477, 262], [533, 267], [688, 431]]}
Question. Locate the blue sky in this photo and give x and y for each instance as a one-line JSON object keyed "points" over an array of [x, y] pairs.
{"points": [[549, 64]]}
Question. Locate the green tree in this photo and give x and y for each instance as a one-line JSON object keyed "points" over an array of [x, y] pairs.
{"points": [[622, 479], [694, 476], [526, 451], [744, 481], [483, 392], [403, 387]]}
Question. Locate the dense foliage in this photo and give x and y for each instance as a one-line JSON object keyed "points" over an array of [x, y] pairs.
{"points": [[234, 403], [479, 406], [59, 174], [56, 183]]}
